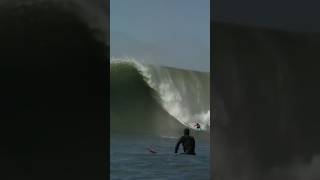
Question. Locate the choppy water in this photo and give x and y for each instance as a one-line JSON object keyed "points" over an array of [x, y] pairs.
{"points": [[131, 160]]}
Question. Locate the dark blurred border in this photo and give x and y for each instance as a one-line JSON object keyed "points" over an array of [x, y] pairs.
{"points": [[54, 90]]}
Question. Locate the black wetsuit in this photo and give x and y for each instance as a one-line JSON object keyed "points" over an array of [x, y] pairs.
{"points": [[188, 144]]}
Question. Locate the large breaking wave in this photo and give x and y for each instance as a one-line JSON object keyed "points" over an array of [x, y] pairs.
{"points": [[157, 99]]}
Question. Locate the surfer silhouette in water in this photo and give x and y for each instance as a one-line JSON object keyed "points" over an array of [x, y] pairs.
{"points": [[188, 143]]}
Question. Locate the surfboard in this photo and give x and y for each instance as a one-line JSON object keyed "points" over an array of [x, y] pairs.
{"points": [[152, 151]]}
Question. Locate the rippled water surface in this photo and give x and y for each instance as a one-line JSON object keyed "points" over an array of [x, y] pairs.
{"points": [[131, 159]]}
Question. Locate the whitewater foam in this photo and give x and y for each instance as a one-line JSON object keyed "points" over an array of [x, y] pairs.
{"points": [[172, 97]]}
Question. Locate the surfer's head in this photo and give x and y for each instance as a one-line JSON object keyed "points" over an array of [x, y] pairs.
{"points": [[186, 131]]}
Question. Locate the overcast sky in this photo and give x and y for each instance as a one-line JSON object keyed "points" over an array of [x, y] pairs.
{"points": [[166, 32]]}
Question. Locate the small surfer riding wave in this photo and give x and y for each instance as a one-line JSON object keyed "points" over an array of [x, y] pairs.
{"points": [[197, 125]]}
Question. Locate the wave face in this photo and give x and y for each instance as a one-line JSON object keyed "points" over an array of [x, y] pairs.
{"points": [[157, 99]]}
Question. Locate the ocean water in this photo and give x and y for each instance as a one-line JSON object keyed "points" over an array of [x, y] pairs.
{"points": [[149, 108], [130, 159]]}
